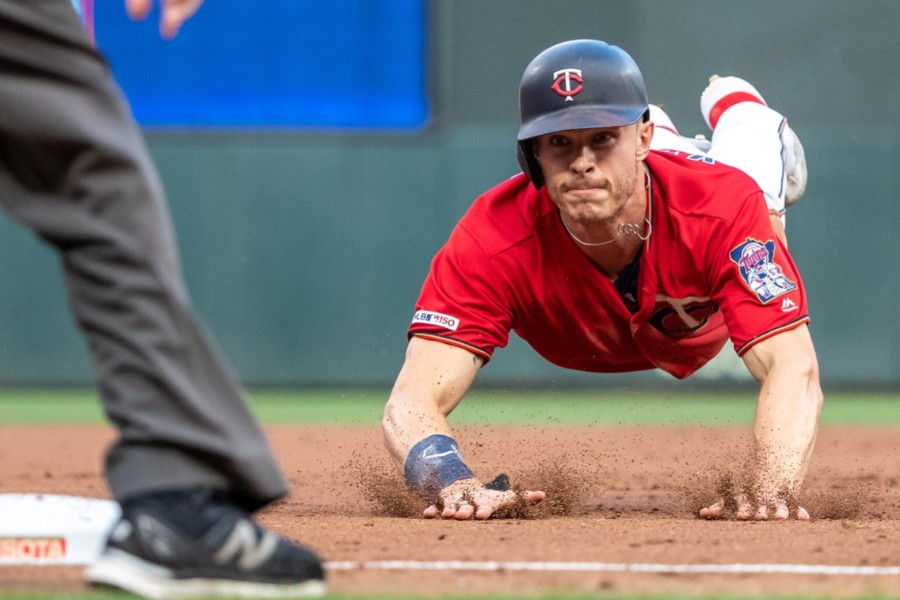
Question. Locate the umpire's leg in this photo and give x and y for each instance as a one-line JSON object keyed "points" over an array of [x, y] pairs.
{"points": [[74, 169]]}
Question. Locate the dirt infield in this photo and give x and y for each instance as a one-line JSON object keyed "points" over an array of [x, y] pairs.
{"points": [[623, 498]]}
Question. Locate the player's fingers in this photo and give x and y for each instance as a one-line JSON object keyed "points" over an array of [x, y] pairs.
{"points": [[531, 497], [505, 499], [534, 497], [175, 13], [138, 9], [745, 510], [457, 507], [782, 512], [490, 503], [449, 510], [762, 513], [464, 512], [486, 502], [802, 514], [480, 504], [449, 506], [714, 511]]}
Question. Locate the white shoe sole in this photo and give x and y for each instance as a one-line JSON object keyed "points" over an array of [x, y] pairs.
{"points": [[797, 176], [130, 573]]}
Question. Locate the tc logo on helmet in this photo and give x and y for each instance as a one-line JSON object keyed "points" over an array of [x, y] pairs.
{"points": [[567, 83]]}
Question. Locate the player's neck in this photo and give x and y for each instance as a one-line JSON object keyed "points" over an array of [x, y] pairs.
{"points": [[612, 259], [622, 235]]}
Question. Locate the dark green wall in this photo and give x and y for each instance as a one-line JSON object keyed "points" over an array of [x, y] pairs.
{"points": [[304, 252]]}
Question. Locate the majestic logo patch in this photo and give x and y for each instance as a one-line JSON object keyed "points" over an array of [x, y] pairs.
{"points": [[433, 318], [567, 83], [756, 262], [787, 305]]}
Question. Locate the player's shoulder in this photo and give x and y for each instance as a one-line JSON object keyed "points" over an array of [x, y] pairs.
{"points": [[697, 184], [505, 215]]}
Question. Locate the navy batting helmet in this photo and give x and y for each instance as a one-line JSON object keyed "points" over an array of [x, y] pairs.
{"points": [[579, 84]]}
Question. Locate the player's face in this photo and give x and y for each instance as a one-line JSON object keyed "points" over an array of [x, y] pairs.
{"points": [[591, 173]]}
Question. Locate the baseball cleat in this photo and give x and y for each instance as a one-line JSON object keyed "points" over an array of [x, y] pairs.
{"points": [[795, 166], [724, 92], [193, 544], [661, 119], [667, 136]]}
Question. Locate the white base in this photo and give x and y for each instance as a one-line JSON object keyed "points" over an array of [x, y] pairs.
{"points": [[45, 529]]}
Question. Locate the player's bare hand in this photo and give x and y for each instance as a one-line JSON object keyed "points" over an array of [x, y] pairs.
{"points": [[468, 498], [776, 509], [174, 13]]}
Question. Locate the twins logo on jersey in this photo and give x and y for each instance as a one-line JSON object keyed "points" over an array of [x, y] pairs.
{"points": [[757, 266], [681, 317]]}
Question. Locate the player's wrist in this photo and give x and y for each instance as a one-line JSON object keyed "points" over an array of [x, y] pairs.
{"points": [[434, 463]]}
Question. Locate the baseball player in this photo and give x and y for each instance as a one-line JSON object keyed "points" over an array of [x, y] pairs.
{"points": [[621, 247], [190, 463]]}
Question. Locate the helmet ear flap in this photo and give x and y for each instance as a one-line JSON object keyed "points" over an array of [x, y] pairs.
{"points": [[529, 163]]}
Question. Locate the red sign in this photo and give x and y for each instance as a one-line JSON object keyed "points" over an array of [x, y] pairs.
{"points": [[32, 549]]}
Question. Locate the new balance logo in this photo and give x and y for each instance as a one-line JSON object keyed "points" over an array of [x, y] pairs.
{"points": [[243, 545], [787, 305]]}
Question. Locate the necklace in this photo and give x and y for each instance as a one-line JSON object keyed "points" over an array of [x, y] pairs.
{"points": [[628, 228]]}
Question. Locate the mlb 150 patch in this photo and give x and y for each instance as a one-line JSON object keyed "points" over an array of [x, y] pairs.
{"points": [[435, 318]]}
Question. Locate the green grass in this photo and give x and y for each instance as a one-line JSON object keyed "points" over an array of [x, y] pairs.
{"points": [[569, 407]]}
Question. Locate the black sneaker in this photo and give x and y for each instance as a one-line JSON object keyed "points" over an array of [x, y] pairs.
{"points": [[156, 552]]}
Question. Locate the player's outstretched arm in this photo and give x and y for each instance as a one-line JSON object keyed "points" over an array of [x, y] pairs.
{"points": [[432, 382], [787, 419], [174, 13]]}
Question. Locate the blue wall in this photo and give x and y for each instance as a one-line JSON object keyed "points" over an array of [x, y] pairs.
{"points": [[342, 64]]}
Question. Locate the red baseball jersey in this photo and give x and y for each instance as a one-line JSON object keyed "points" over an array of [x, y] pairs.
{"points": [[712, 269]]}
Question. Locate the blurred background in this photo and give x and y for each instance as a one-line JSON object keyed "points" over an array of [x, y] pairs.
{"points": [[317, 154]]}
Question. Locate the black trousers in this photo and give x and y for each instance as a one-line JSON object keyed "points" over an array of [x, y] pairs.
{"points": [[74, 169]]}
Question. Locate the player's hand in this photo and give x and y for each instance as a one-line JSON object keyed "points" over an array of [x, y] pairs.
{"points": [[469, 498], [174, 13], [775, 508]]}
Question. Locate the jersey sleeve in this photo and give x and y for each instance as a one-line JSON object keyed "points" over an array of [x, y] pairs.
{"points": [[462, 302], [754, 279]]}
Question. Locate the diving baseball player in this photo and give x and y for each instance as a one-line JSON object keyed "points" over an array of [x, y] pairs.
{"points": [[622, 246]]}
